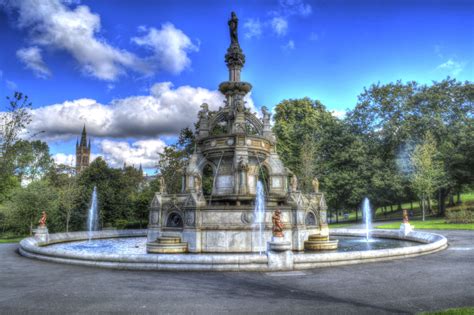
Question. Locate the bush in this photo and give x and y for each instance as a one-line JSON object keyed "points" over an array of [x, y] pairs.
{"points": [[462, 215], [120, 224]]}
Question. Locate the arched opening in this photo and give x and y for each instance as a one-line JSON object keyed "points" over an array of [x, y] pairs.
{"points": [[263, 176], [310, 219], [174, 220], [207, 180], [220, 128]]}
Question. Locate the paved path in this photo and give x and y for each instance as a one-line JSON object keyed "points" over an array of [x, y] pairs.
{"points": [[437, 281]]}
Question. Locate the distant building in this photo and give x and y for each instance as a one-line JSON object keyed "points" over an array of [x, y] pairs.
{"points": [[83, 152]]}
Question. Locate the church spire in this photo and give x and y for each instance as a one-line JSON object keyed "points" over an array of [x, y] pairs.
{"points": [[84, 137]]}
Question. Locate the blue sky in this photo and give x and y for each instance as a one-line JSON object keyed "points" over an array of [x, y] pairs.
{"points": [[136, 71]]}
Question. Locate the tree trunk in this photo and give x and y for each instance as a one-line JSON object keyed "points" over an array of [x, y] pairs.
{"points": [[68, 217], [429, 205], [31, 228], [391, 208], [357, 214], [451, 200], [459, 202], [337, 216], [423, 208], [411, 205], [399, 206]]}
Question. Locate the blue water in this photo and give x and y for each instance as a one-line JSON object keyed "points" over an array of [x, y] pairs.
{"points": [[137, 245]]}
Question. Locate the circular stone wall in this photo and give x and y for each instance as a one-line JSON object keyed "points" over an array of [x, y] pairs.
{"points": [[271, 261]]}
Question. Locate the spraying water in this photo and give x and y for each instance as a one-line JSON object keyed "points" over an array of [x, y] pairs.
{"points": [[259, 214], [367, 217], [93, 217]]}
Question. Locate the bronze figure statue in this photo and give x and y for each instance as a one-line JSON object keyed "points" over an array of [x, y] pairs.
{"points": [[233, 23], [277, 228], [42, 221]]}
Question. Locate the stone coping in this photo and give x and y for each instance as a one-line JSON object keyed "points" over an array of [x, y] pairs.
{"points": [[31, 247]]}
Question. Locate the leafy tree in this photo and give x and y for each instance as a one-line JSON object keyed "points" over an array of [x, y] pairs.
{"points": [[32, 159], [12, 121], [26, 205], [428, 172]]}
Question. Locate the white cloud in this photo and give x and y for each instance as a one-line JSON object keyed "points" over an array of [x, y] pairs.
{"points": [[169, 46], [452, 66], [295, 7], [66, 159], [279, 26], [54, 25], [253, 28], [341, 114], [144, 152], [33, 60], [11, 85], [165, 111], [290, 45]]}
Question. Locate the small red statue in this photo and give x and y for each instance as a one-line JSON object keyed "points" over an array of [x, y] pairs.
{"points": [[277, 225], [405, 216], [42, 221]]}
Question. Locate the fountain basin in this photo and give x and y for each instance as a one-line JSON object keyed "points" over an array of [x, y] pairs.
{"points": [[30, 247]]}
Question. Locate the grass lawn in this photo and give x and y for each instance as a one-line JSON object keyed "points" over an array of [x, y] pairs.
{"points": [[452, 311], [10, 238], [341, 225], [436, 224]]}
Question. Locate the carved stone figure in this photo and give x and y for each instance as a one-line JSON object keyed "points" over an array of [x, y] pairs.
{"points": [[197, 182], [277, 228], [233, 24], [243, 166], [42, 221], [204, 112], [266, 115], [315, 184], [162, 185], [294, 183]]}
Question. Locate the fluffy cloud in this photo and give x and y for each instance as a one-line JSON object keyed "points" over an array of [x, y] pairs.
{"points": [[54, 25], [452, 66], [294, 7], [253, 28], [33, 60], [116, 153], [279, 25], [341, 114], [165, 111], [144, 152], [169, 46], [290, 45]]}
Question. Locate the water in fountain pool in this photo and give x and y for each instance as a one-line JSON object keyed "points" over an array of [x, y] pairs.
{"points": [[137, 245]]}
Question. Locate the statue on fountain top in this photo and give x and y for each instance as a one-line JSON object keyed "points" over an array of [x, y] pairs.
{"points": [[42, 221], [277, 228], [233, 24]]}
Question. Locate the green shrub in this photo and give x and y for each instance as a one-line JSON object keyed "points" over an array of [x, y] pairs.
{"points": [[462, 215], [120, 224]]}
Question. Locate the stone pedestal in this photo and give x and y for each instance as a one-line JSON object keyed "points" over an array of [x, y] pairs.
{"points": [[406, 228], [42, 234], [279, 254]]}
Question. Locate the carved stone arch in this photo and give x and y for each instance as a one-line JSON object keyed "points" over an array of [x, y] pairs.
{"points": [[310, 219], [220, 116], [173, 217], [258, 125]]}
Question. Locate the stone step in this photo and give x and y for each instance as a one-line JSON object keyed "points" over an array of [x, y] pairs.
{"points": [[318, 237], [168, 240], [320, 245], [158, 248]]}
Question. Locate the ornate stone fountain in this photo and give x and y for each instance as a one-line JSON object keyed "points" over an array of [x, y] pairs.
{"points": [[240, 149]]}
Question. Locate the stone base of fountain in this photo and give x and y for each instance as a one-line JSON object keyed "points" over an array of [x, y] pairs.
{"points": [[406, 228], [279, 244], [167, 245], [317, 242], [42, 234]]}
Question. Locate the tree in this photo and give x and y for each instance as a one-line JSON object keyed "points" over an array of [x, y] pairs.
{"points": [[428, 173], [26, 205], [31, 160], [174, 158], [12, 122]]}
